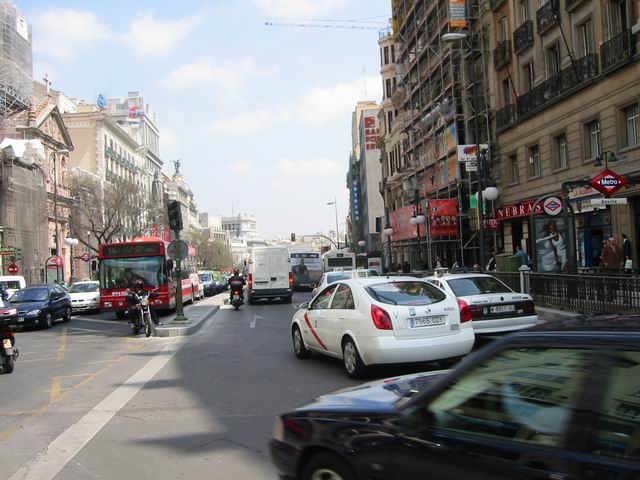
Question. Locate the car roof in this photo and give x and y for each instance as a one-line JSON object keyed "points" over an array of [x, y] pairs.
{"points": [[381, 279], [83, 282], [39, 285], [451, 276]]}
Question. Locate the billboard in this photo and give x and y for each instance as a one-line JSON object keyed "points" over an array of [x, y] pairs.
{"points": [[551, 244], [371, 132], [401, 224], [443, 218]]}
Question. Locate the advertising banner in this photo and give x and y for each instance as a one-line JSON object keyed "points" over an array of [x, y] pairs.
{"points": [[551, 244], [401, 224], [457, 13], [443, 218]]}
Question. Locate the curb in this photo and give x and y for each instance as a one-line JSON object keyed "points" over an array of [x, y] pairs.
{"points": [[176, 330], [551, 315]]}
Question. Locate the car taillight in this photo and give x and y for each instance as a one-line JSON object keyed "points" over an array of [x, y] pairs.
{"points": [[250, 281], [381, 318], [290, 279], [465, 311], [529, 307]]}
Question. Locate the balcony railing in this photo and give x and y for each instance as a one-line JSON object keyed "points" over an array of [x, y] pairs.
{"points": [[502, 54], [548, 15], [505, 117], [495, 4], [617, 51], [523, 37], [571, 77]]}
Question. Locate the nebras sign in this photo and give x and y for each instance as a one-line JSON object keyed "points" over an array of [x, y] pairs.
{"points": [[608, 182]]}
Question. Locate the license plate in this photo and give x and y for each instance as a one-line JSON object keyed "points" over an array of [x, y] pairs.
{"points": [[426, 321], [503, 309], [6, 343]]}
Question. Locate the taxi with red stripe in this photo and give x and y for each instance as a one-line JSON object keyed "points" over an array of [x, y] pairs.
{"points": [[381, 320]]}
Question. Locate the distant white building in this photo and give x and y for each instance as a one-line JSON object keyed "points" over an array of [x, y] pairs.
{"points": [[243, 234]]}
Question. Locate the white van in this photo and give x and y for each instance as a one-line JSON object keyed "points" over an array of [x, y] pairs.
{"points": [[12, 283], [270, 274]]}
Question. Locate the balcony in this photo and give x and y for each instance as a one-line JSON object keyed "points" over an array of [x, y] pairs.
{"points": [[569, 5], [523, 37], [617, 51], [495, 4], [548, 15], [505, 117], [564, 83], [502, 54]]}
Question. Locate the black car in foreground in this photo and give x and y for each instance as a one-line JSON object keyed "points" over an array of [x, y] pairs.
{"points": [[561, 401], [40, 305]]}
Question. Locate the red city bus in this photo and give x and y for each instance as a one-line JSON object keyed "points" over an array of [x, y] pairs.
{"points": [[143, 259]]}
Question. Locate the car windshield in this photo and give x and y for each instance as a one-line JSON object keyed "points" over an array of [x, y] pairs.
{"points": [[121, 272], [336, 277], [406, 293], [30, 295], [84, 287], [205, 277], [463, 287]]}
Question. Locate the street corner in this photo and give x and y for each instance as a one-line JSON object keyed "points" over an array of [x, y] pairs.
{"points": [[197, 315]]}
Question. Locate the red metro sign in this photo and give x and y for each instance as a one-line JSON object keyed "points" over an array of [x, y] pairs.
{"points": [[608, 182]]}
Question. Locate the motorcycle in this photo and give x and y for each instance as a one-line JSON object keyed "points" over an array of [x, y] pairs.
{"points": [[8, 351], [236, 299], [140, 312]]}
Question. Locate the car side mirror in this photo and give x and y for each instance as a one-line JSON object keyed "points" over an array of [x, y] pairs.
{"points": [[415, 417], [304, 306]]}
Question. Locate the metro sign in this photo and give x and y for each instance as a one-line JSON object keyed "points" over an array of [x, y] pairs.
{"points": [[608, 182]]}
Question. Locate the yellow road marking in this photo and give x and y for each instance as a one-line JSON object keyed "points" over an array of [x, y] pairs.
{"points": [[63, 345], [8, 432], [57, 392]]}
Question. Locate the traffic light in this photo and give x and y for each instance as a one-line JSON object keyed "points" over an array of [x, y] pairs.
{"points": [[175, 215], [293, 238]]}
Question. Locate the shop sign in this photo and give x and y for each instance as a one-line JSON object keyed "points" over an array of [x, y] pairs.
{"points": [[608, 182], [443, 218], [582, 192], [602, 202], [401, 224], [7, 251], [469, 153], [457, 14], [518, 210]]}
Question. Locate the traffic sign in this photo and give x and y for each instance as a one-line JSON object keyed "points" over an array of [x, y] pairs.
{"points": [[8, 251], [552, 206], [601, 202], [86, 256], [178, 249], [13, 269], [55, 261], [608, 182], [471, 166]]}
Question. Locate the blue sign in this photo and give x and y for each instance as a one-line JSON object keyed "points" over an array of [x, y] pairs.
{"points": [[102, 102]]}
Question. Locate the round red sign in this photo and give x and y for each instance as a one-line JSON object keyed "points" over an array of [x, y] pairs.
{"points": [[13, 269]]}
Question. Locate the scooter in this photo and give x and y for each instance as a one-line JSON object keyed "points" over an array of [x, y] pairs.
{"points": [[236, 299], [8, 351]]}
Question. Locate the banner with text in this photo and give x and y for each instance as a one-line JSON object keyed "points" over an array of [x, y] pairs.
{"points": [[401, 224], [443, 218]]}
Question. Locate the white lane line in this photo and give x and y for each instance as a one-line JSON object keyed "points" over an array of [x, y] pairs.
{"points": [[97, 320], [255, 319], [61, 451]]}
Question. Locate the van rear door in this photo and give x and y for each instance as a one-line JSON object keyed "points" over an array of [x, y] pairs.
{"points": [[280, 267], [261, 269]]}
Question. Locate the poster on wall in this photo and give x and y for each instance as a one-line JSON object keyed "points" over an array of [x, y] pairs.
{"points": [[551, 244], [443, 218], [401, 224]]}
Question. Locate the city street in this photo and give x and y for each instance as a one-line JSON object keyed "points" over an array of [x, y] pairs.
{"points": [[198, 406]]}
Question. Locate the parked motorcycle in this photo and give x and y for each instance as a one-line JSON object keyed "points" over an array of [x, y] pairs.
{"points": [[140, 312], [236, 300], [8, 351]]}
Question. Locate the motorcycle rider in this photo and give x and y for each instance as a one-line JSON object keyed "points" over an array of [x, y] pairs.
{"points": [[137, 287], [236, 284]]}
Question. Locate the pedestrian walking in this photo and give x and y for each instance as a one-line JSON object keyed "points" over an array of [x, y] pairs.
{"points": [[406, 268], [524, 258], [612, 258], [626, 253]]}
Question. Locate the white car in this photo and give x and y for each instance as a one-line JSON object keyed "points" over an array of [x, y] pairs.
{"points": [[85, 296], [380, 320], [337, 275], [493, 307], [12, 283]]}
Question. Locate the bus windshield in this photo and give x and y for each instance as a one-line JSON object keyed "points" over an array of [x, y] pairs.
{"points": [[121, 272]]}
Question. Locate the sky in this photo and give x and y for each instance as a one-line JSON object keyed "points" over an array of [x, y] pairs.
{"points": [[260, 116]]}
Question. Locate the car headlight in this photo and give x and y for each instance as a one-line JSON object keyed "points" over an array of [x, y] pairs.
{"points": [[278, 430], [33, 313]]}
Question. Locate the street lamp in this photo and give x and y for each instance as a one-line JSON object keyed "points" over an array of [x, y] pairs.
{"points": [[335, 204], [361, 243], [450, 38], [387, 232], [62, 151], [607, 156], [71, 242]]}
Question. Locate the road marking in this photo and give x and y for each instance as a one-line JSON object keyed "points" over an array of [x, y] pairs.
{"points": [[63, 345], [255, 319], [97, 320], [57, 392], [59, 453], [8, 432]]}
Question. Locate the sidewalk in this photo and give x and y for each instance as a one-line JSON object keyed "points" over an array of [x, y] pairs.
{"points": [[197, 315], [552, 315]]}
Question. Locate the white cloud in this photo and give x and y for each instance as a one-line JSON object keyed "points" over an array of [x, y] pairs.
{"points": [[299, 8], [241, 168], [316, 107], [168, 139], [226, 74], [148, 36], [319, 167], [62, 33]]}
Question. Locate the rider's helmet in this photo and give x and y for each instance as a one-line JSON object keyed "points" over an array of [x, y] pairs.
{"points": [[236, 272], [137, 285]]}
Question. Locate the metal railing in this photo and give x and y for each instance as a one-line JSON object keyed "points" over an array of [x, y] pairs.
{"points": [[505, 117], [548, 15], [523, 37], [617, 51], [502, 54]]}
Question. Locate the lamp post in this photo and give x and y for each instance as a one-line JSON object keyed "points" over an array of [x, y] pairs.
{"points": [[480, 155], [387, 232], [335, 205], [417, 220], [361, 244], [62, 151], [71, 242]]}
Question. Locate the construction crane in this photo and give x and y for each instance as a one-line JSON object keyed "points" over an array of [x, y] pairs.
{"points": [[355, 24]]}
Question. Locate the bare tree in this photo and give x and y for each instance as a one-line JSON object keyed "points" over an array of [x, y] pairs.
{"points": [[211, 253]]}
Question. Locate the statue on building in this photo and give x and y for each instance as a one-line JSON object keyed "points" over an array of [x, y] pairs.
{"points": [[177, 164]]}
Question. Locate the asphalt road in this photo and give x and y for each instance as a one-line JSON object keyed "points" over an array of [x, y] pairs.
{"points": [[87, 400]]}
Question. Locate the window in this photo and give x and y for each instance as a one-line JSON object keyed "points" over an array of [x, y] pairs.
{"points": [[593, 141], [387, 84], [393, 54], [616, 18], [389, 120], [463, 287], [343, 299], [535, 169], [405, 293], [506, 92], [631, 121], [504, 30], [515, 171], [386, 55], [321, 302], [561, 152], [552, 60], [521, 395], [524, 11], [528, 77], [585, 39]]}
